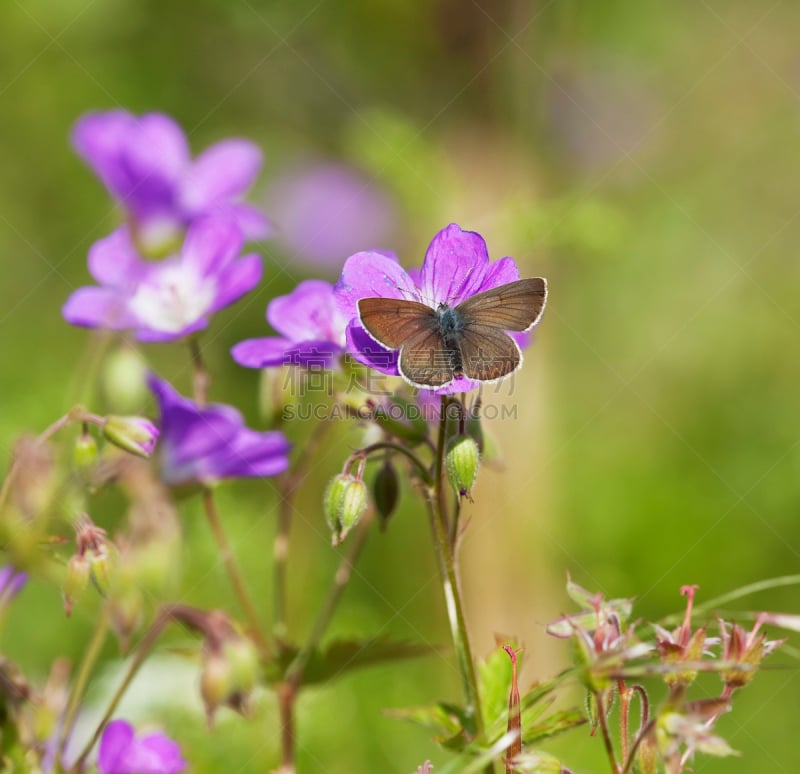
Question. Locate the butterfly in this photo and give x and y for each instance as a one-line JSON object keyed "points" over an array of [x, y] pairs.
{"points": [[438, 346]]}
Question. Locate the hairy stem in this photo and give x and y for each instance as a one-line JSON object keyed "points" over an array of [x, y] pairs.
{"points": [[437, 506]]}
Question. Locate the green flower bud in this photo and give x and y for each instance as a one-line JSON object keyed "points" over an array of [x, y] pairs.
{"points": [[123, 380], [243, 658], [385, 492], [133, 434], [462, 460], [85, 451], [100, 568], [215, 682], [344, 503], [75, 581]]}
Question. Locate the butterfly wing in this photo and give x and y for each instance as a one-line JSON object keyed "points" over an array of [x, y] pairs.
{"points": [[515, 306], [393, 321], [425, 361], [487, 353]]}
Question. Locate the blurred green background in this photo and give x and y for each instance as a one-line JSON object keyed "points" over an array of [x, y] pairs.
{"points": [[642, 156]]}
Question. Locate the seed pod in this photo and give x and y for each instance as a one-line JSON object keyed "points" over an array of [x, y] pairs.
{"points": [[344, 503], [385, 492], [462, 460]]}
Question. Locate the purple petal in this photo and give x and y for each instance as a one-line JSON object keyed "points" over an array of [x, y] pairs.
{"points": [[158, 147], [253, 223], [114, 260], [225, 170], [370, 275], [499, 273], [260, 353], [211, 244], [308, 312], [116, 739], [187, 431], [276, 351], [252, 453], [367, 351], [236, 280], [99, 138], [153, 754], [454, 266], [93, 307]]}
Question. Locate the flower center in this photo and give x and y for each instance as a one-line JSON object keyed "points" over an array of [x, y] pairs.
{"points": [[172, 298]]}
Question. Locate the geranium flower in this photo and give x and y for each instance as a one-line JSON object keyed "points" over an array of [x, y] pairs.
{"points": [[145, 163], [313, 330], [169, 299], [121, 752], [212, 443], [456, 267]]}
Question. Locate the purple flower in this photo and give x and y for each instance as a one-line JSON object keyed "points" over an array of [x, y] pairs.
{"points": [[312, 327], [212, 443], [169, 299], [325, 211], [146, 165], [456, 266], [11, 583], [122, 753]]}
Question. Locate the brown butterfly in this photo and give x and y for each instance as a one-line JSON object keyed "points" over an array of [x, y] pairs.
{"points": [[440, 345]]}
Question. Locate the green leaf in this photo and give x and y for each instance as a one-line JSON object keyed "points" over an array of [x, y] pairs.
{"points": [[342, 656], [494, 685], [557, 723], [446, 721]]}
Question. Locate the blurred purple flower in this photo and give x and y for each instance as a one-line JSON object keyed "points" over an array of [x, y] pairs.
{"points": [[212, 443], [121, 752], [312, 327], [169, 299], [11, 583], [324, 211], [145, 163], [456, 266]]}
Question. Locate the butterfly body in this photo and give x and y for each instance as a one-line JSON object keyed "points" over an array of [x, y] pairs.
{"points": [[439, 345]]}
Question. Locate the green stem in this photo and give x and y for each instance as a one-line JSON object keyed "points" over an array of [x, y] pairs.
{"points": [[288, 689], [287, 488], [294, 674], [437, 507], [389, 446], [82, 680], [603, 719], [235, 574], [142, 651]]}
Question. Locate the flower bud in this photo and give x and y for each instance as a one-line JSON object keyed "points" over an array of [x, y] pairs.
{"points": [[385, 492], [136, 435], [462, 460], [229, 674], [123, 380], [344, 503], [76, 580], [85, 452], [99, 560]]}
